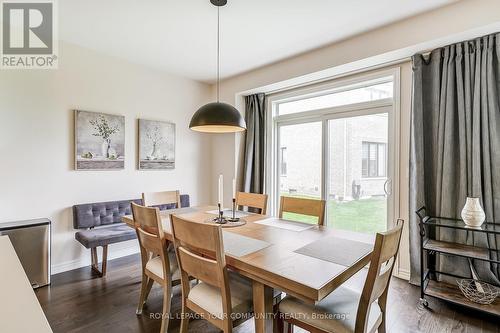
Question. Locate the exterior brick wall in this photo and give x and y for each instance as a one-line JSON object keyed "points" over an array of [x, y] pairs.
{"points": [[303, 144]]}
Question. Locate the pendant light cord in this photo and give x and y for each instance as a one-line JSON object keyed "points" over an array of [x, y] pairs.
{"points": [[218, 53]]}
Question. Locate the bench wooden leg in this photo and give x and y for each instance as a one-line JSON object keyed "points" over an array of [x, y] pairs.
{"points": [[95, 261]]}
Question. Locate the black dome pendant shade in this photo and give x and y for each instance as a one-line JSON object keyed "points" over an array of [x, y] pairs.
{"points": [[218, 3], [217, 117]]}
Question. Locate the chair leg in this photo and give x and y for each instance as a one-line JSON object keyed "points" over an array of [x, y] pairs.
{"points": [[184, 318], [142, 297], [93, 257], [381, 328], [104, 259], [228, 326], [279, 323], [382, 302], [167, 298], [95, 261], [148, 289]]}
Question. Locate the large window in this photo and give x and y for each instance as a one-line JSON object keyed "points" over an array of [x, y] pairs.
{"points": [[373, 159], [333, 144]]}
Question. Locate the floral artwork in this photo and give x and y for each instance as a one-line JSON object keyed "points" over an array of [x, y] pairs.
{"points": [[156, 145], [99, 141]]}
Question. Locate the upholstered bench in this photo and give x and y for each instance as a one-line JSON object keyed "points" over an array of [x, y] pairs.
{"points": [[101, 224]]}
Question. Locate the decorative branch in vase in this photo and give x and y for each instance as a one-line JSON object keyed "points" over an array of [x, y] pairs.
{"points": [[105, 131], [156, 138]]}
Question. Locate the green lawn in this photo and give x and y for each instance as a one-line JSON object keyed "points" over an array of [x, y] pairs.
{"points": [[364, 215]]}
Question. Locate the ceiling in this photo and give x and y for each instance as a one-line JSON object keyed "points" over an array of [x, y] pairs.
{"points": [[180, 36]]}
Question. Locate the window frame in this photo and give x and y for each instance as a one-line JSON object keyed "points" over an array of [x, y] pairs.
{"points": [[274, 121]]}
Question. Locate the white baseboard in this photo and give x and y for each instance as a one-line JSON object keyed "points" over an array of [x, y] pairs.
{"points": [[85, 260], [403, 274]]}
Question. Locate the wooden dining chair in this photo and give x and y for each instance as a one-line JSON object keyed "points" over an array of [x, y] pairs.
{"points": [[220, 295], [158, 265], [150, 199], [159, 199], [335, 313], [311, 207], [252, 200]]}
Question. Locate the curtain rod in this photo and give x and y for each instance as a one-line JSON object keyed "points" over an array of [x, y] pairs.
{"points": [[425, 52]]}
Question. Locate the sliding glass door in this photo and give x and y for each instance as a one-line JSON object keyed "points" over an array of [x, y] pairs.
{"points": [[338, 145], [358, 179]]}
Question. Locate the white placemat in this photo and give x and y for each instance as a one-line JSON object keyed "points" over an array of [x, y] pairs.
{"points": [[239, 246], [178, 211], [285, 224], [337, 250], [229, 213]]}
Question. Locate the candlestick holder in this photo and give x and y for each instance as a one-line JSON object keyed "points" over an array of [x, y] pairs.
{"points": [[220, 218], [234, 218]]}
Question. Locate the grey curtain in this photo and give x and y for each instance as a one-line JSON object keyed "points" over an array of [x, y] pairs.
{"points": [[455, 145], [253, 167]]}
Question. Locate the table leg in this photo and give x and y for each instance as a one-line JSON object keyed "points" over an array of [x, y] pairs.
{"points": [[263, 307]]}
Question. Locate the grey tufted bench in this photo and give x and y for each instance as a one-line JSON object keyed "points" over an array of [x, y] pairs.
{"points": [[100, 224]]}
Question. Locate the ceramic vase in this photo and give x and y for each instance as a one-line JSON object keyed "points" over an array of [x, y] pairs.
{"points": [[154, 153], [472, 213], [105, 148]]}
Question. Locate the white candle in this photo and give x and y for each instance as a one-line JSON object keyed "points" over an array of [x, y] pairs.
{"points": [[221, 191], [234, 188]]}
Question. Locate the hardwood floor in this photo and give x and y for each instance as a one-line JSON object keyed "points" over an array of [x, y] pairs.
{"points": [[79, 301]]}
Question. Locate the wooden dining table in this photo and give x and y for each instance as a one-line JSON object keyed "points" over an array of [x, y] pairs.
{"points": [[306, 261]]}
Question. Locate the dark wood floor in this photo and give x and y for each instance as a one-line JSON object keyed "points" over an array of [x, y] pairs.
{"points": [[78, 301]]}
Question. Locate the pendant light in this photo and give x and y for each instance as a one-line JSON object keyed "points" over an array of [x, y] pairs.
{"points": [[217, 117]]}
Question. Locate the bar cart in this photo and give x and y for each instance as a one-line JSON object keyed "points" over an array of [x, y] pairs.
{"points": [[431, 248]]}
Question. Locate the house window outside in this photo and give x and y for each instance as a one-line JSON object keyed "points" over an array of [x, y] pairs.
{"points": [[283, 161], [373, 160]]}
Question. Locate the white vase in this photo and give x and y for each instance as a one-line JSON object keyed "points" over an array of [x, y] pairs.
{"points": [[105, 149], [472, 213]]}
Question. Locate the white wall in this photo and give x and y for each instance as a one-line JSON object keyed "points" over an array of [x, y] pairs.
{"points": [[37, 178], [416, 34]]}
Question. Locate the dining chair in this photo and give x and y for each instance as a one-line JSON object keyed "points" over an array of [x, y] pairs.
{"points": [[311, 207], [252, 200], [150, 199], [159, 199], [158, 264], [221, 295], [335, 312]]}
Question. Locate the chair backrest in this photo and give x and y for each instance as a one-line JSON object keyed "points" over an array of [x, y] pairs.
{"points": [[379, 275], [192, 240], [252, 200], [311, 207], [149, 230], [99, 214], [161, 198]]}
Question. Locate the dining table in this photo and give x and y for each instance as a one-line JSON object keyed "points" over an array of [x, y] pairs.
{"points": [[304, 260]]}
